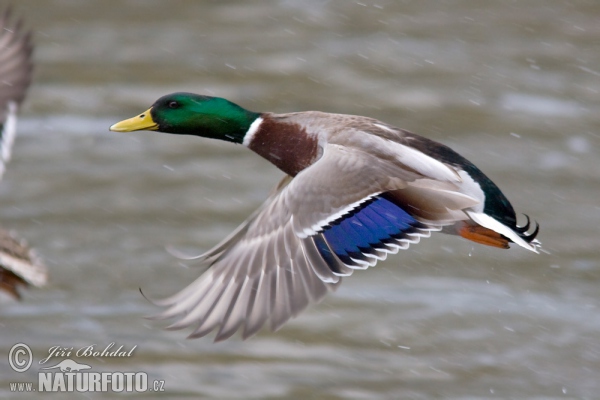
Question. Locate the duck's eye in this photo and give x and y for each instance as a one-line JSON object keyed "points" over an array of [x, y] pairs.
{"points": [[173, 104]]}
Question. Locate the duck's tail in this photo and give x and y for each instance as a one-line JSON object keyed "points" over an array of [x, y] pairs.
{"points": [[491, 232]]}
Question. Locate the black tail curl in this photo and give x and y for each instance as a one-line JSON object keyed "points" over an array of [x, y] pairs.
{"points": [[522, 230]]}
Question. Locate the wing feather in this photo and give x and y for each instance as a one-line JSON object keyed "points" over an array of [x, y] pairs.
{"points": [[280, 260], [16, 69], [18, 264]]}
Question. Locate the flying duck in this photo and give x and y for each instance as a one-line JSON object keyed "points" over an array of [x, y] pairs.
{"points": [[19, 266], [356, 189]]}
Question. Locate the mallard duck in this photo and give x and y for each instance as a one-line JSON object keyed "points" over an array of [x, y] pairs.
{"points": [[19, 266], [356, 189]]}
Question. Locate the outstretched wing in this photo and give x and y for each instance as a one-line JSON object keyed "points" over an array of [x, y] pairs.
{"points": [[18, 264], [333, 217], [16, 70]]}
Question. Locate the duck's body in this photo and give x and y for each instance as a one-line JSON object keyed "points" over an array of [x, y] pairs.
{"points": [[18, 265], [356, 189]]}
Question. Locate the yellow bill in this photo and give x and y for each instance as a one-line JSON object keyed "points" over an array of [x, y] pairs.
{"points": [[141, 122]]}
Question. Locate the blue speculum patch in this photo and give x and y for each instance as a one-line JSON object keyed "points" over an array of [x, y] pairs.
{"points": [[368, 227]]}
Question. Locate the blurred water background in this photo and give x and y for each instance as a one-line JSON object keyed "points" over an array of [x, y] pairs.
{"points": [[513, 86]]}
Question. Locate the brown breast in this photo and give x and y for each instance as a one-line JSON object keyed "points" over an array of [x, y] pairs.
{"points": [[287, 145]]}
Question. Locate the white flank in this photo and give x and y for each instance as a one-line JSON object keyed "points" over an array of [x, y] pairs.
{"points": [[472, 189], [252, 131], [488, 222]]}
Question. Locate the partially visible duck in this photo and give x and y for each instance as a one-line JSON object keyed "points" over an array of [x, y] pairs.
{"points": [[19, 266], [356, 189]]}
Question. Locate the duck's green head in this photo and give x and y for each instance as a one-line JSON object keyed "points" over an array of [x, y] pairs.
{"points": [[192, 114]]}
